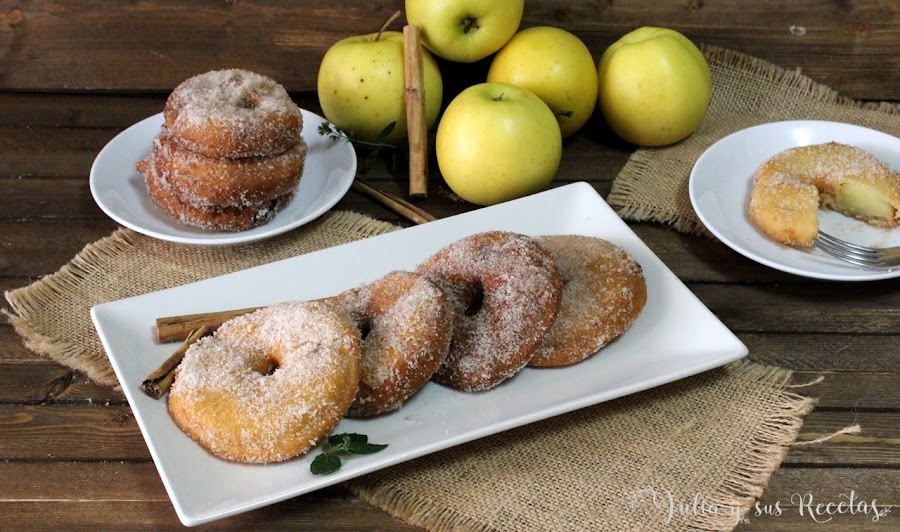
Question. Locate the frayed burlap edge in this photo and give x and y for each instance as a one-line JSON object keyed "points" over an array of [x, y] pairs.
{"points": [[623, 187], [95, 259], [767, 448], [740, 488], [25, 302], [640, 161]]}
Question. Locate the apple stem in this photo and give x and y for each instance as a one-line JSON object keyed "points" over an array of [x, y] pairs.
{"points": [[387, 23], [567, 114]]}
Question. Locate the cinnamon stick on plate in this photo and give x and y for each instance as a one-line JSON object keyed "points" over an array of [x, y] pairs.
{"points": [[415, 112], [160, 380], [174, 328]]}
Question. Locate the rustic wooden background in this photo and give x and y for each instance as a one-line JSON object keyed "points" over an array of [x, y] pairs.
{"points": [[74, 74]]}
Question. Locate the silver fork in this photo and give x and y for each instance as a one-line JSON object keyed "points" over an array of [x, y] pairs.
{"points": [[856, 254]]}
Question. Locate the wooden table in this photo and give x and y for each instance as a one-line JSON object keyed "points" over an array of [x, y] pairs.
{"points": [[72, 75]]}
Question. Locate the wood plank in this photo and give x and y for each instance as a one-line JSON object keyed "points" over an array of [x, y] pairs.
{"points": [[877, 446], [792, 520], [790, 489], [89, 110], [83, 488], [852, 46], [831, 482], [851, 390], [48, 383], [70, 432], [50, 151], [40, 248], [873, 308], [77, 110], [294, 514], [824, 352], [60, 199]]}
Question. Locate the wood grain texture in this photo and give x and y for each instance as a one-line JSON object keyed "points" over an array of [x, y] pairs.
{"points": [[851, 46]]}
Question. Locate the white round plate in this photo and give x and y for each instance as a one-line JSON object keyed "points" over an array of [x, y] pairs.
{"points": [[121, 192], [720, 186]]}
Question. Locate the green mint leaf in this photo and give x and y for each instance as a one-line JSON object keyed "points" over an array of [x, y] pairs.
{"points": [[364, 447], [337, 439], [347, 442], [324, 464], [387, 130]]}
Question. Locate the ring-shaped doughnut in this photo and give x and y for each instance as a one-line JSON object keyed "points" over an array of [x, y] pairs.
{"points": [[269, 384], [203, 181], [404, 319], [233, 113], [506, 292], [210, 218], [603, 293]]}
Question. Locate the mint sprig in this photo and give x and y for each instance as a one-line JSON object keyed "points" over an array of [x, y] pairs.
{"points": [[327, 129], [350, 443]]}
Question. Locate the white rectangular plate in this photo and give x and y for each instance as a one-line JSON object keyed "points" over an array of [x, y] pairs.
{"points": [[675, 336]]}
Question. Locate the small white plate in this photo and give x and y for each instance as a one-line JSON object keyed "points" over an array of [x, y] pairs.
{"points": [[674, 337], [722, 178], [121, 192]]}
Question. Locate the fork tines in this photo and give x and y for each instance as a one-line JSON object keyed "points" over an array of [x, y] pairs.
{"points": [[855, 254]]}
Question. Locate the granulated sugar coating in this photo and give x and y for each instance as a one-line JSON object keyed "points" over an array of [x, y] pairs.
{"points": [[603, 293], [406, 320], [269, 384], [230, 155], [213, 218], [233, 113], [506, 291], [202, 181], [789, 187]]}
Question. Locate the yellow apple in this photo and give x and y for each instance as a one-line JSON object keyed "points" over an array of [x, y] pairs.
{"points": [[654, 86], [555, 65], [497, 142], [361, 86], [465, 31]]}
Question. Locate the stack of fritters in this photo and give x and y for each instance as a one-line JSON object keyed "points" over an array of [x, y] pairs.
{"points": [[230, 154]]}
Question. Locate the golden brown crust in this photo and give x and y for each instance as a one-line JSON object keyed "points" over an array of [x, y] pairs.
{"points": [[210, 218], [789, 187], [202, 181], [405, 318], [233, 113], [506, 292], [268, 385], [604, 291]]}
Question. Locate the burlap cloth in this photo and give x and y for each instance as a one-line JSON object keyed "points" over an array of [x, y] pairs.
{"points": [[691, 454]]}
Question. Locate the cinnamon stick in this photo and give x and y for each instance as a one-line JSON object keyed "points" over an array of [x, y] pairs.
{"points": [[398, 205], [160, 380], [415, 112], [173, 328]]}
